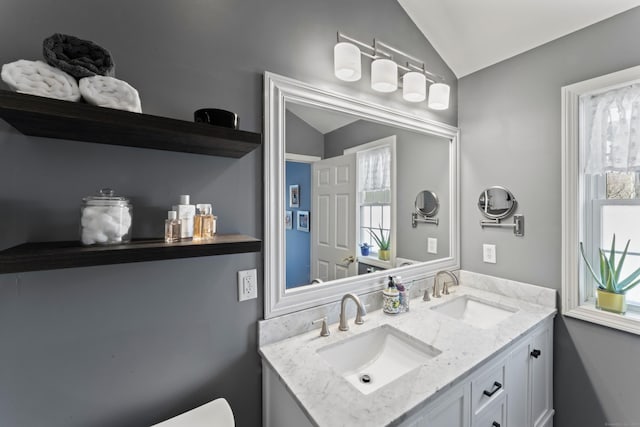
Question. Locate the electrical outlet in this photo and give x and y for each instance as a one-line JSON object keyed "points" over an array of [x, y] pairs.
{"points": [[432, 245], [489, 253], [247, 284]]}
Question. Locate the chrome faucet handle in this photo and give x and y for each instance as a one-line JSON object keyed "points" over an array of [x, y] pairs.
{"points": [[324, 331], [445, 288], [436, 290], [425, 296], [360, 314]]}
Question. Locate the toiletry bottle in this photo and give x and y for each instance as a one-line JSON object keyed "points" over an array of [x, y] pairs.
{"points": [[402, 294], [391, 298], [186, 213], [203, 223], [172, 227]]}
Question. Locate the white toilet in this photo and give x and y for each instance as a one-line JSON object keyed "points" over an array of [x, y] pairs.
{"points": [[216, 413]]}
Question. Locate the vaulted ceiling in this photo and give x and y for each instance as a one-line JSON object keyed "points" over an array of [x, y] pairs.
{"points": [[470, 35]]}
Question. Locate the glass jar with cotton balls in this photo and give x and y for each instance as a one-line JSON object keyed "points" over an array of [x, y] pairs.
{"points": [[105, 219]]}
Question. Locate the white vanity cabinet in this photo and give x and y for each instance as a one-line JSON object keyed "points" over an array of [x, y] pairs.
{"points": [[530, 379], [513, 388]]}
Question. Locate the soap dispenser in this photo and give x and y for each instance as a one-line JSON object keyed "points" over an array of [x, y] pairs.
{"points": [[391, 298]]}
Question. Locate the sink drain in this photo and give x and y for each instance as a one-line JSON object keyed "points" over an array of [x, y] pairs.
{"points": [[365, 379]]}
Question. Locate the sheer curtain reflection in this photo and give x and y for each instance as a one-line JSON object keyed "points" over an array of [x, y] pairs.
{"points": [[374, 175], [612, 134]]}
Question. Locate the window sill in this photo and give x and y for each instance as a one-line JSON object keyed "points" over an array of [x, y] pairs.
{"points": [[375, 261], [629, 322]]}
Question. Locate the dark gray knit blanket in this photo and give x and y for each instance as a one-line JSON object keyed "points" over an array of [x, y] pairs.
{"points": [[80, 58]]}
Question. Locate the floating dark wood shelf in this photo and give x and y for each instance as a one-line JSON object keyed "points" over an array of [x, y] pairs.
{"points": [[52, 118], [56, 255]]}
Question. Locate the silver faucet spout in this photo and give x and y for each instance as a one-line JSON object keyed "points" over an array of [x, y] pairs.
{"points": [[445, 288], [344, 326]]}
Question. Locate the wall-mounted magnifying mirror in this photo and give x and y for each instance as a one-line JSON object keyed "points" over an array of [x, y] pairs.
{"points": [[339, 170], [427, 205], [498, 203]]}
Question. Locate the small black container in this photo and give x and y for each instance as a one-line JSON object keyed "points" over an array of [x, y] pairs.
{"points": [[214, 116]]}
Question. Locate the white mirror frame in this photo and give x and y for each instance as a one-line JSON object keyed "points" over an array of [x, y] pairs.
{"points": [[277, 91]]}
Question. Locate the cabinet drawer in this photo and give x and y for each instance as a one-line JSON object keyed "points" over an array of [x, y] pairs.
{"points": [[488, 387], [493, 415]]}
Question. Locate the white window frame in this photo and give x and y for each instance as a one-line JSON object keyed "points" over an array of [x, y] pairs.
{"points": [[573, 199], [389, 141]]}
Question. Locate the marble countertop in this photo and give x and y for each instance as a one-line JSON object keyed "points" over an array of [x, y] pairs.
{"points": [[329, 400]]}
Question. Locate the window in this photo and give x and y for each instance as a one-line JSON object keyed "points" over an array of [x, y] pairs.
{"points": [[372, 218], [600, 188], [376, 184], [616, 211]]}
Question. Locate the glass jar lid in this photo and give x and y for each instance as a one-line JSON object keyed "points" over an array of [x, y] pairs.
{"points": [[105, 197]]}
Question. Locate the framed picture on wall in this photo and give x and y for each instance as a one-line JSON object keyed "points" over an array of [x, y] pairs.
{"points": [[303, 221], [294, 196], [288, 220]]}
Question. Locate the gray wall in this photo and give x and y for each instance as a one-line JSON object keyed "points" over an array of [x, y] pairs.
{"points": [[130, 345], [302, 138], [510, 126], [422, 164]]}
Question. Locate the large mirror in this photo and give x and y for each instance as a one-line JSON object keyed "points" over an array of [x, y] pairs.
{"points": [[341, 179]]}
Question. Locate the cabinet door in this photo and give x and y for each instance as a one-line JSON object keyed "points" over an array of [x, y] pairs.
{"points": [[495, 415], [517, 384], [449, 410], [453, 411], [541, 359]]}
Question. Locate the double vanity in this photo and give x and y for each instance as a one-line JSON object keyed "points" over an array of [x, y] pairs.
{"points": [[480, 356]]}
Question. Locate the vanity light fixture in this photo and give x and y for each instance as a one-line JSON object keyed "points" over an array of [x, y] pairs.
{"points": [[384, 75], [346, 62], [414, 86], [438, 96], [387, 63]]}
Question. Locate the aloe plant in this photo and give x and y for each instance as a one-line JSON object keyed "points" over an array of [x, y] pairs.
{"points": [[382, 241], [609, 279]]}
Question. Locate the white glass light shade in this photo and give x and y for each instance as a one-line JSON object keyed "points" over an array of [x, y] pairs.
{"points": [[384, 75], [438, 96], [346, 62], [414, 87]]}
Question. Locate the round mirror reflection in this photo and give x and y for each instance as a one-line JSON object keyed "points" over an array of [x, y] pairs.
{"points": [[427, 203], [496, 203]]}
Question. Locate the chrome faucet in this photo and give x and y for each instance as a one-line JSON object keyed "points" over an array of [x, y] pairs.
{"points": [[445, 288], [344, 326]]}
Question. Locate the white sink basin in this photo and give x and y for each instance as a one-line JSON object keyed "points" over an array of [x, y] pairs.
{"points": [[377, 357], [476, 312]]}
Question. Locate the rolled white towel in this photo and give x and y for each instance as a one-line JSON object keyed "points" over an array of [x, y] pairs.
{"points": [[38, 78], [110, 92]]}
